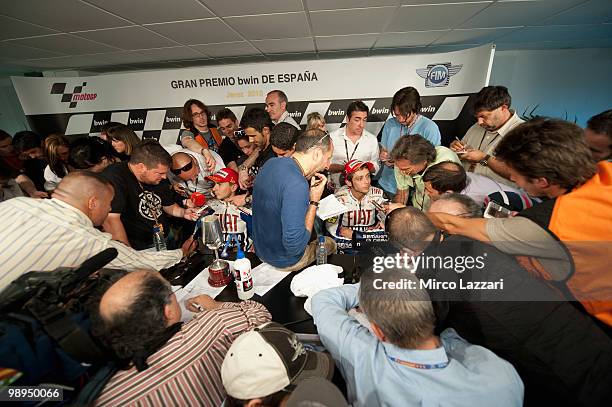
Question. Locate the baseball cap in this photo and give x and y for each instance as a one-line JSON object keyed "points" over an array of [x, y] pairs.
{"points": [[353, 165], [224, 175], [269, 359]]}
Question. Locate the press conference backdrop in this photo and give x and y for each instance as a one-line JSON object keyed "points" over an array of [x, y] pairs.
{"points": [[151, 102]]}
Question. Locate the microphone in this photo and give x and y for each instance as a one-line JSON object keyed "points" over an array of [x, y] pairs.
{"points": [[91, 265], [59, 282], [198, 199]]}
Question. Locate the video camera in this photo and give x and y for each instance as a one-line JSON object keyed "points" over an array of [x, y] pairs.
{"points": [[44, 325]]}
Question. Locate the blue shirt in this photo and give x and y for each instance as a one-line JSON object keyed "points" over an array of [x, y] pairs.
{"points": [[392, 131], [474, 376], [280, 202]]}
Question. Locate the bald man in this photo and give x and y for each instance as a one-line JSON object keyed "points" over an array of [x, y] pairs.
{"points": [[139, 318], [456, 204], [189, 173], [42, 235], [451, 203]]}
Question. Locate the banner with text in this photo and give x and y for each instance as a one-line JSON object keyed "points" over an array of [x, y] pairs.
{"points": [[151, 102]]}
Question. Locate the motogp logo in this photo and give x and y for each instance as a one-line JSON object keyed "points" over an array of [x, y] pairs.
{"points": [[437, 75], [72, 97]]}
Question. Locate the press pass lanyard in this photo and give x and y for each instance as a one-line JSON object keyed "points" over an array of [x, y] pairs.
{"points": [[419, 365], [346, 149]]}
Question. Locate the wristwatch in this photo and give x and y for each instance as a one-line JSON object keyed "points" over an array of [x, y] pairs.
{"points": [[314, 203], [248, 199], [485, 161]]}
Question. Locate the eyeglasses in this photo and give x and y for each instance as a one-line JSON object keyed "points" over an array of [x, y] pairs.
{"points": [[319, 141], [201, 114], [465, 214], [408, 171], [240, 133], [185, 168]]}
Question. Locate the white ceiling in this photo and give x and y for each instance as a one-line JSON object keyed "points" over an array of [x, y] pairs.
{"points": [[111, 35]]}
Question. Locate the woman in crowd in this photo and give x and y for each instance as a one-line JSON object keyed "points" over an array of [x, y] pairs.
{"points": [[316, 121], [91, 153], [57, 150], [246, 147], [123, 140], [105, 128]]}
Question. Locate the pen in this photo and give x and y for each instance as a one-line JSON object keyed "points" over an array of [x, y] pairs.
{"points": [[199, 307], [462, 145]]}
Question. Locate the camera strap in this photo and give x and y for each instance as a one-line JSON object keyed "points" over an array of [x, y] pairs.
{"points": [[60, 326]]}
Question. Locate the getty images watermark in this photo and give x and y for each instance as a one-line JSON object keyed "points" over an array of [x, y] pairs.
{"points": [[424, 263]]}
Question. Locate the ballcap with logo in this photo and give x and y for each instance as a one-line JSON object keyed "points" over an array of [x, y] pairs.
{"points": [[270, 359], [224, 175], [353, 165]]}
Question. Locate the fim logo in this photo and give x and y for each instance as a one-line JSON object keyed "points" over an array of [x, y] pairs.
{"points": [[437, 75], [77, 94]]}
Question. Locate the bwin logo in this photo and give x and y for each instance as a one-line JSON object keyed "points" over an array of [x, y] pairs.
{"points": [[437, 75], [77, 94]]}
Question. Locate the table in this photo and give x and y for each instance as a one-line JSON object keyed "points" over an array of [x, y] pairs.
{"points": [[285, 308]]}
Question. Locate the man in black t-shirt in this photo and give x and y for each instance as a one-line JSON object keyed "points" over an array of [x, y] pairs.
{"points": [[142, 196]]}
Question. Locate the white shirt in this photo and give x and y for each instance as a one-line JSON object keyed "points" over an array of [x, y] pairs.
{"points": [[232, 220], [486, 141], [479, 186], [365, 149], [361, 216], [202, 184], [51, 179], [44, 234], [287, 119]]}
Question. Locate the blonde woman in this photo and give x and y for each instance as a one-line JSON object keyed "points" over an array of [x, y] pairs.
{"points": [[57, 150], [316, 121]]}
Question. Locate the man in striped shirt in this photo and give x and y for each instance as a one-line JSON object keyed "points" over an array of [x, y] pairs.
{"points": [[44, 234], [174, 364]]}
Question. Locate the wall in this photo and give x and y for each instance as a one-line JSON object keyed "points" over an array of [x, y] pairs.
{"points": [[571, 83], [12, 118]]}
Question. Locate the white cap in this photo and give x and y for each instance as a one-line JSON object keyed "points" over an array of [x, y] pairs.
{"points": [[269, 359]]}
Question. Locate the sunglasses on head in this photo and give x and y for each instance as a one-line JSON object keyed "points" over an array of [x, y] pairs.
{"points": [[185, 168], [319, 141]]}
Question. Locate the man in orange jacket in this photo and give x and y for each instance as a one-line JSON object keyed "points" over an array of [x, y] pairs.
{"points": [[567, 237]]}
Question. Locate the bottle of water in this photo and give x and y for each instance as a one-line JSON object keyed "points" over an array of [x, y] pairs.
{"points": [[321, 251], [243, 276], [158, 238]]}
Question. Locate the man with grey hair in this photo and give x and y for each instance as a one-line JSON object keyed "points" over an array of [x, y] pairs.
{"points": [[276, 106], [401, 358], [527, 322], [456, 204], [412, 157]]}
